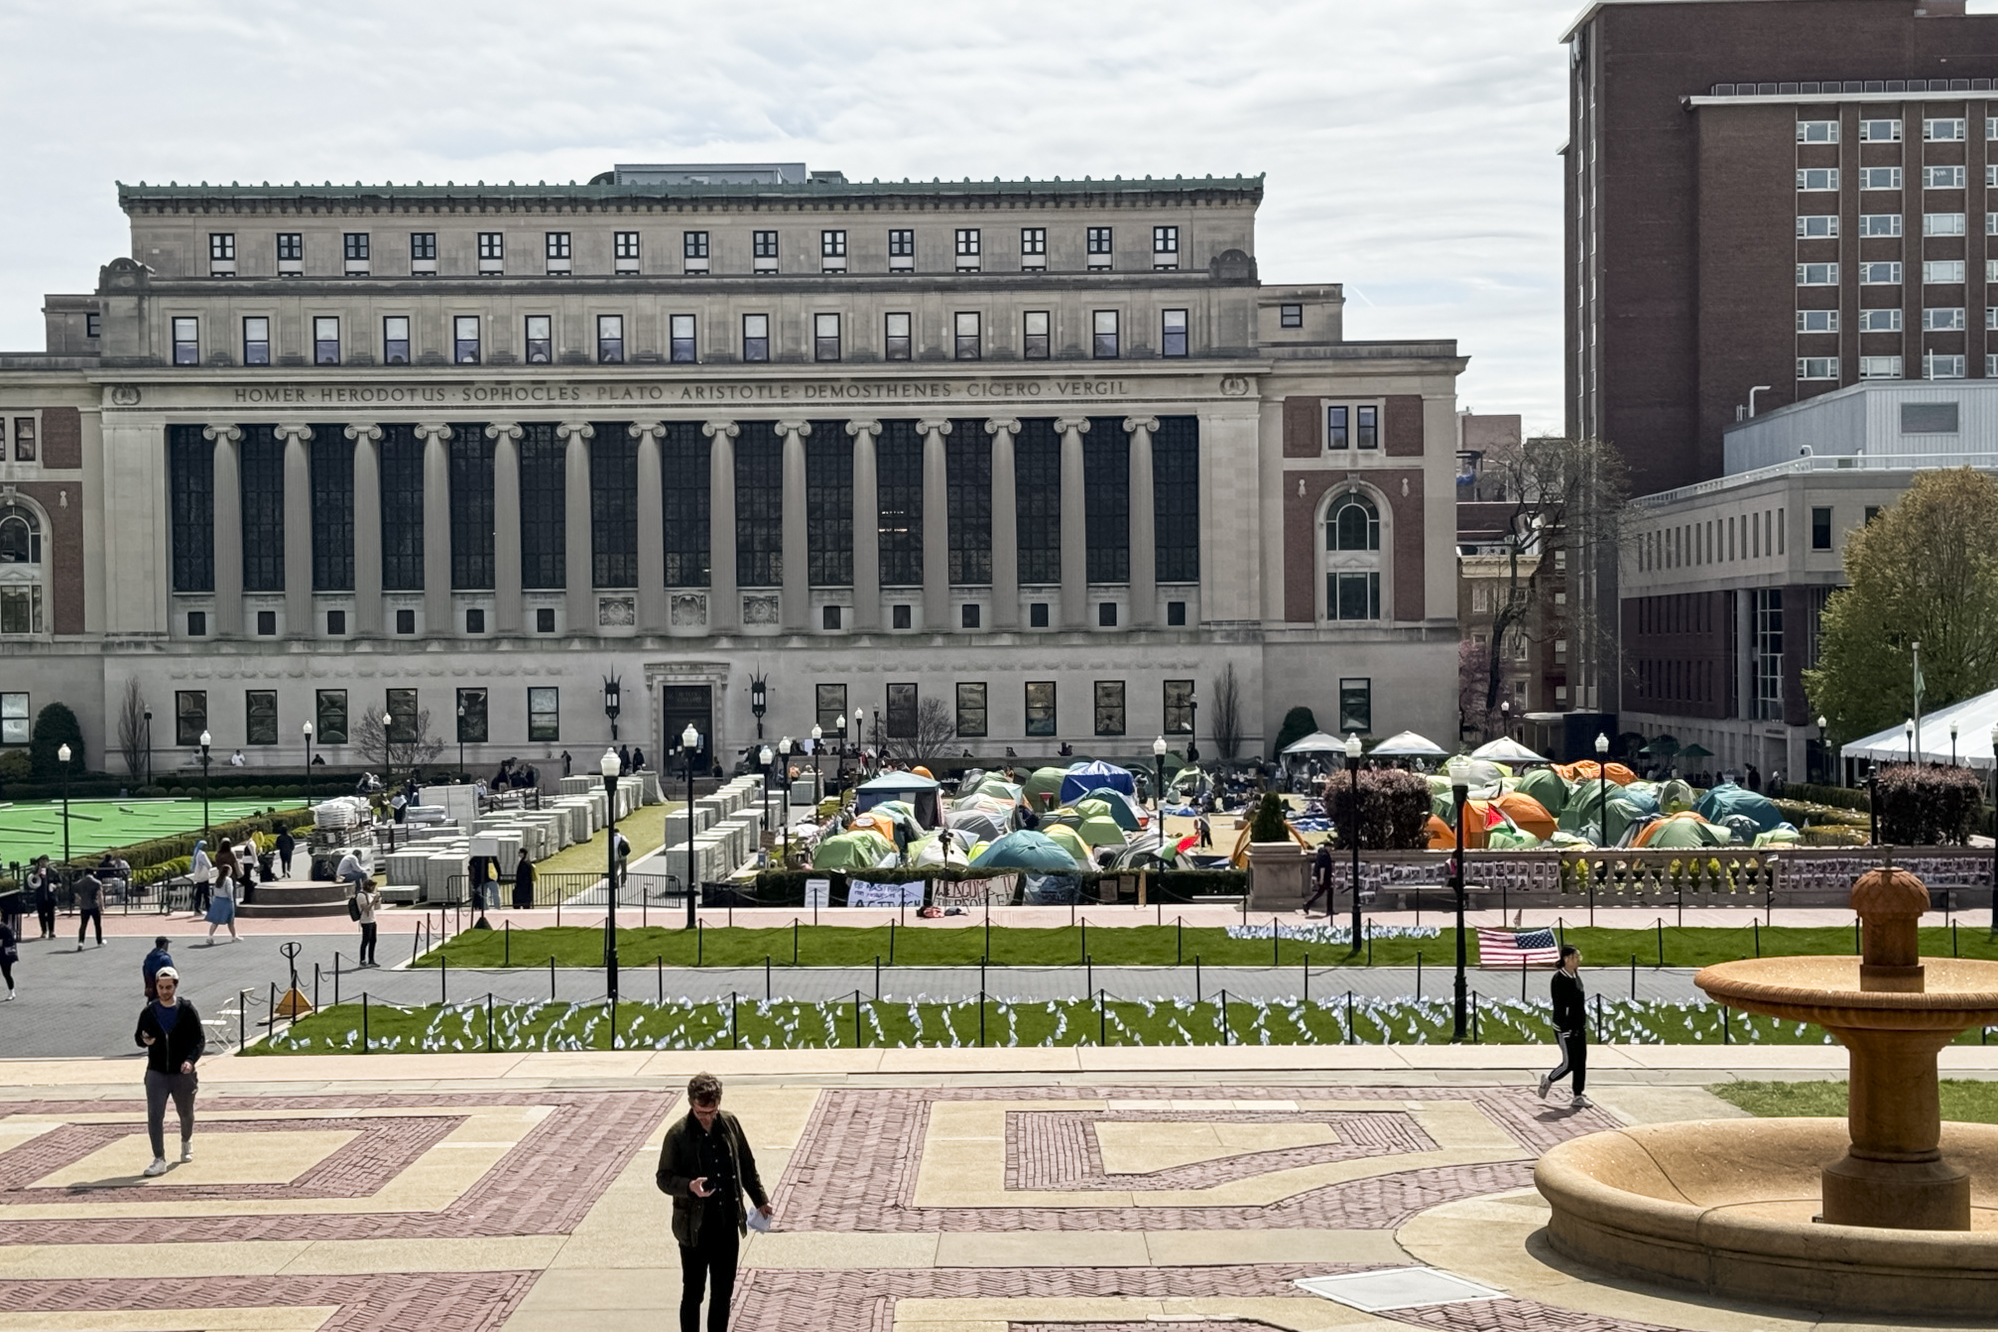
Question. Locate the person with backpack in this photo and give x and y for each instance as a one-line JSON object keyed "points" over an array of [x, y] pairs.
{"points": [[361, 909], [1570, 1028], [199, 871], [171, 1032], [286, 844]]}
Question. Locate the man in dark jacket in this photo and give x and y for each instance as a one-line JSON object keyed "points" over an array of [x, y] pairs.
{"points": [[286, 844], [170, 1029], [89, 891], [156, 959], [1570, 1027], [705, 1166], [1321, 879]]}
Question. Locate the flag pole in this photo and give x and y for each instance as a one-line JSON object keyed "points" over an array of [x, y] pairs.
{"points": [[1918, 701]]}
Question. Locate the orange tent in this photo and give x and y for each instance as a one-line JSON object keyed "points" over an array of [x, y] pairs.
{"points": [[1442, 837], [879, 824], [1528, 813], [1587, 771]]}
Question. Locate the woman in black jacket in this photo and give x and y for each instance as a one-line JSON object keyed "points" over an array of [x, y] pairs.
{"points": [[1571, 1027], [171, 1031]]}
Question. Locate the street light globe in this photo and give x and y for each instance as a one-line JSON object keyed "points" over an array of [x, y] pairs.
{"points": [[62, 755], [204, 739], [818, 733], [690, 738], [1459, 769], [784, 746], [1908, 728], [1353, 747], [308, 730], [1602, 743], [859, 718], [609, 765], [1159, 747], [1821, 721], [1952, 730], [767, 756]]}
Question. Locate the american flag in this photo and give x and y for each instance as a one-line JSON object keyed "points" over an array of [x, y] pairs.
{"points": [[1517, 948]]}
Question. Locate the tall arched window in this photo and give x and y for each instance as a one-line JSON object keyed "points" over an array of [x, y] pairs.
{"points": [[20, 571], [1352, 558]]}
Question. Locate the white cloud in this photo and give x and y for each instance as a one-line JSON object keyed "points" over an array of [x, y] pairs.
{"points": [[1410, 147]]}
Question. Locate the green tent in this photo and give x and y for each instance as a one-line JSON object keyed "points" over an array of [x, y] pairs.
{"points": [[1069, 840], [1041, 789], [1026, 850], [851, 851], [1675, 796], [1585, 810], [1686, 834], [1102, 830], [1546, 786], [1121, 807]]}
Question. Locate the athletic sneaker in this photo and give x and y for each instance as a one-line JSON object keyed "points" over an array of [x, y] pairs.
{"points": [[157, 1168], [186, 1150], [1581, 1103], [1545, 1082]]}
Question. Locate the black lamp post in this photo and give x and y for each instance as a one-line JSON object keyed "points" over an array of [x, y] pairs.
{"points": [[759, 699], [1602, 784], [1158, 791], [1873, 802], [1353, 752], [818, 791], [149, 746], [611, 691], [690, 740], [1460, 791], [784, 806], [1908, 730], [765, 756], [860, 740], [204, 784], [610, 767], [1826, 770], [1505, 717], [1192, 729], [307, 729], [1952, 744], [461, 738], [62, 757], [841, 723]]}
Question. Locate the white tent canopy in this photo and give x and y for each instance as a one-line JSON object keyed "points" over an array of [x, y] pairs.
{"points": [[1317, 743], [1409, 745], [1505, 749], [1973, 719]]}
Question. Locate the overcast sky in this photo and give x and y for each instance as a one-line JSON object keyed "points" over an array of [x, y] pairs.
{"points": [[1409, 144]]}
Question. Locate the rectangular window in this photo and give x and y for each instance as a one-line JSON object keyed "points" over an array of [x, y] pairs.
{"points": [[191, 508], [680, 349], [354, 249], [1880, 131], [544, 713], [1356, 706], [1105, 344], [472, 729], [832, 250], [970, 711], [1817, 321], [694, 245], [1768, 654], [395, 340], [1942, 271], [610, 339], [1165, 247], [901, 250], [1944, 320], [1880, 321], [1817, 367], [1942, 177], [256, 340], [1109, 710], [1172, 333], [260, 717], [968, 499], [901, 718], [829, 506], [1366, 427], [1821, 531], [469, 458], [1990, 181], [14, 721], [556, 245], [1817, 131], [1178, 717], [1038, 501], [968, 615], [21, 609], [186, 341], [222, 247], [290, 252], [1817, 275], [91, 324], [763, 246], [756, 337], [1817, 226], [1879, 224], [326, 340], [624, 251], [1942, 224], [544, 619], [1880, 178], [830, 705], [1817, 178], [1936, 365], [613, 464], [1040, 707], [1880, 367], [825, 337], [1880, 274], [684, 476], [1033, 247], [1036, 340], [423, 246], [492, 253], [190, 716], [465, 339], [896, 337], [967, 346], [898, 488], [1338, 427], [1944, 130], [1098, 240], [759, 507], [1353, 596], [540, 339], [967, 248]]}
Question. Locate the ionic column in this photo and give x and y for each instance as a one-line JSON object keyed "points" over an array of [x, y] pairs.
{"points": [[297, 530], [1074, 525], [866, 526], [578, 577], [436, 529], [724, 597], [936, 525], [367, 527], [1005, 525], [797, 605], [227, 529], [651, 527], [1144, 539], [509, 614]]}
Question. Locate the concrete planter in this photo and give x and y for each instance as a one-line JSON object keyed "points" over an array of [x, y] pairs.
{"points": [[1279, 876]]}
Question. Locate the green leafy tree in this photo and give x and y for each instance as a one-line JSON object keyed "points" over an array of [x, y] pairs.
{"points": [[1925, 571], [1268, 825], [1297, 723], [55, 726]]}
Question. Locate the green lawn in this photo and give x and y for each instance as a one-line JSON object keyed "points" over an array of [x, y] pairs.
{"points": [[30, 830], [1965, 1101], [786, 1024], [1137, 945]]}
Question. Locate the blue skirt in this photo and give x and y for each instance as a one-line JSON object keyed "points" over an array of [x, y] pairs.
{"points": [[221, 909]]}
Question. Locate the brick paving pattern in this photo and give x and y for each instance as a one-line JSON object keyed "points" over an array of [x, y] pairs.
{"points": [[433, 1301], [1511, 1315], [1058, 1151]]}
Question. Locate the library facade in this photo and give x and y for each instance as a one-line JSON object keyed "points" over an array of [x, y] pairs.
{"points": [[746, 447]]}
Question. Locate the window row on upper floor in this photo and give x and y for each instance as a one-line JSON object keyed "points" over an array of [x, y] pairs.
{"points": [[1935, 129], [824, 340], [1811, 180], [703, 252]]}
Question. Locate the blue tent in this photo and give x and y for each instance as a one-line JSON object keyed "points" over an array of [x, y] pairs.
{"points": [[1026, 850], [924, 795], [1728, 799], [1083, 778]]}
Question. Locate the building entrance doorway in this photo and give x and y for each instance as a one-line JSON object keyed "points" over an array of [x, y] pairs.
{"points": [[680, 704]]}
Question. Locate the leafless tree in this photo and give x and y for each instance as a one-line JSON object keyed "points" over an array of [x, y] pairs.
{"points": [[936, 731], [403, 748], [132, 728], [1227, 708]]}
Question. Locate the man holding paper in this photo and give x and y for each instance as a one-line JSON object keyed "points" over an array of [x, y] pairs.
{"points": [[705, 1166]]}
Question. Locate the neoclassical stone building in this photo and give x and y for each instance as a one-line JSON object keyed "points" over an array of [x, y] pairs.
{"points": [[1047, 452]]}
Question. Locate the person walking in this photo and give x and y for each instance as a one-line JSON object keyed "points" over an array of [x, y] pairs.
{"points": [[1205, 829], [705, 1166], [523, 883], [42, 889], [156, 959], [10, 953], [170, 1029], [222, 905], [14, 905], [367, 898], [286, 844], [1570, 1028], [199, 871], [1321, 879], [89, 894]]}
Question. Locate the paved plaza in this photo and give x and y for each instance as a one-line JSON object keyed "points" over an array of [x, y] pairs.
{"points": [[916, 1190]]}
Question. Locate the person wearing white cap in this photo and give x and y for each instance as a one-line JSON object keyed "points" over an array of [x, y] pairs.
{"points": [[170, 1029]]}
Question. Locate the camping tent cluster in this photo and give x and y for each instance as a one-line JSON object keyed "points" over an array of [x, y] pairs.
{"points": [[1587, 804]]}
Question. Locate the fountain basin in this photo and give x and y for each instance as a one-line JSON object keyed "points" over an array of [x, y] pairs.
{"points": [[1958, 993], [1726, 1207]]}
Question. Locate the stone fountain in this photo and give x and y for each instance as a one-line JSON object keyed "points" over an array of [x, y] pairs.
{"points": [[1897, 1212]]}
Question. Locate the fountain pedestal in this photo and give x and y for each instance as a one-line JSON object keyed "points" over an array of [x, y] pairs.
{"points": [[1894, 1174]]}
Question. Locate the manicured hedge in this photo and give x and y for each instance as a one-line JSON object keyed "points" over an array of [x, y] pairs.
{"points": [[1394, 809], [1928, 804]]}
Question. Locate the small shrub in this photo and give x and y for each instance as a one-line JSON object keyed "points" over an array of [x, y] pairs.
{"points": [[1297, 723], [1927, 804], [15, 766], [1394, 809], [55, 726], [1268, 824]]}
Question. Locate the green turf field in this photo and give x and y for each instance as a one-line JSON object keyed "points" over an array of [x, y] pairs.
{"points": [[30, 830]]}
